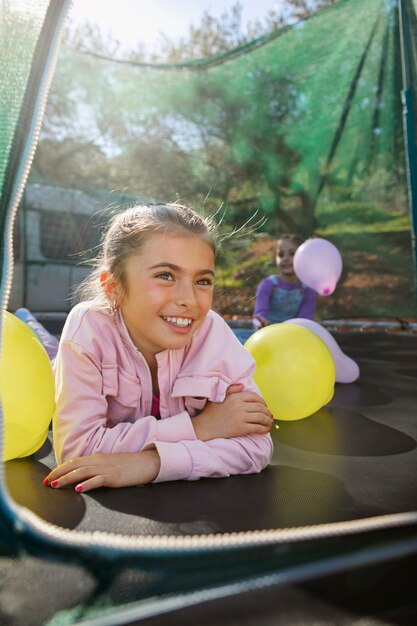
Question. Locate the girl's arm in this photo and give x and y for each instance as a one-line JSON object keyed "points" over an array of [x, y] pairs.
{"points": [[191, 460], [263, 299], [248, 452], [188, 460], [185, 460], [308, 304]]}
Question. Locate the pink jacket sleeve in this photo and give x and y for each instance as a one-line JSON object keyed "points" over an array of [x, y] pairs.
{"points": [[191, 460]]}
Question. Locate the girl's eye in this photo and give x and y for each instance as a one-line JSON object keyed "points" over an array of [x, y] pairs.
{"points": [[165, 276], [208, 282]]}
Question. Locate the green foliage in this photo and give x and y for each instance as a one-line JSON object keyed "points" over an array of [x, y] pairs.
{"points": [[353, 213], [237, 266], [262, 128]]}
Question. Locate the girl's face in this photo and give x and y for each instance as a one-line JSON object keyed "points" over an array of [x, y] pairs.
{"points": [[285, 258], [168, 291]]}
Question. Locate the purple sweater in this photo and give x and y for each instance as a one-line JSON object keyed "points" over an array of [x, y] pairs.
{"points": [[278, 301]]}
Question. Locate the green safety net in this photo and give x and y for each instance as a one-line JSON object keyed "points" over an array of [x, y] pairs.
{"points": [[20, 25], [303, 127]]}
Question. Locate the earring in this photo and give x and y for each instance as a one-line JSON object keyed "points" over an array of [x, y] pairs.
{"points": [[114, 307]]}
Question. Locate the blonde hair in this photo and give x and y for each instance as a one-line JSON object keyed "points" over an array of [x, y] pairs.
{"points": [[127, 233]]}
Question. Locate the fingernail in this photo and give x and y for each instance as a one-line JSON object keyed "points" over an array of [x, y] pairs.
{"points": [[54, 483], [79, 488], [46, 481]]}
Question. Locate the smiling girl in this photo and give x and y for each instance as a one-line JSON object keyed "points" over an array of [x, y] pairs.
{"points": [[151, 385]]}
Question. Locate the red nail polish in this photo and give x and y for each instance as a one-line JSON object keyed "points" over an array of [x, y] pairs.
{"points": [[79, 488], [54, 483], [46, 481]]}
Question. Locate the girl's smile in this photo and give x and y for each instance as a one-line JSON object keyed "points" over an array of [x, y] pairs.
{"points": [[179, 324]]}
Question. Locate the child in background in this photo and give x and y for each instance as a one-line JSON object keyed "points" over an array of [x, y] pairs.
{"points": [[151, 385], [283, 297]]}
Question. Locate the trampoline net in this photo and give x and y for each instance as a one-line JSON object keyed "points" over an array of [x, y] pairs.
{"points": [[303, 125], [20, 25]]}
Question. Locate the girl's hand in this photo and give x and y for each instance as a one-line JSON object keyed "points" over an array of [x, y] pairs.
{"points": [[262, 321], [106, 470], [241, 413]]}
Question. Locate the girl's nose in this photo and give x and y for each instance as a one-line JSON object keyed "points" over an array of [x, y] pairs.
{"points": [[185, 295]]}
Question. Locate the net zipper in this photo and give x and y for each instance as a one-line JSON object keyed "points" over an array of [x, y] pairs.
{"points": [[164, 545]]}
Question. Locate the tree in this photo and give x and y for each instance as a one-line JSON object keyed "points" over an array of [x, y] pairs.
{"points": [[245, 146], [213, 35], [98, 133]]}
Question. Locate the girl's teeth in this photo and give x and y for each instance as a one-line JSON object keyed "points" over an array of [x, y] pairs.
{"points": [[179, 321]]}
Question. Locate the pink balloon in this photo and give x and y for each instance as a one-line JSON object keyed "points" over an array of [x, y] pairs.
{"points": [[347, 370], [318, 264]]}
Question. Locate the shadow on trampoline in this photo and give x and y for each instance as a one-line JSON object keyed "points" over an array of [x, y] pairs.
{"points": [[344, 432]]}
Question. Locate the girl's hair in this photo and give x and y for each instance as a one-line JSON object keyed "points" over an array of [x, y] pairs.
{"points": [[293, 237], [126, 234]]}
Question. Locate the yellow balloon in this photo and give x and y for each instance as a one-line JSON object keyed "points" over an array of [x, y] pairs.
{"points": [[295, 370], [26, 389]]}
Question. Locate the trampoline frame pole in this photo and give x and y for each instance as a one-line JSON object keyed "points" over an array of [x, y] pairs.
{"points": [[409, 122]]}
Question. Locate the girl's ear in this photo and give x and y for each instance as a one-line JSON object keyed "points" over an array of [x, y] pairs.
{"points": [[108, 284]]}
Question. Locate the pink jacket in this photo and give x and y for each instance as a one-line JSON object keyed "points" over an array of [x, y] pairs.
{"points": [[104, 397]]}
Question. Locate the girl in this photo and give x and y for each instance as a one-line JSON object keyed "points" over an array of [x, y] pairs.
{"points": [[283, 297], [151, 384]]}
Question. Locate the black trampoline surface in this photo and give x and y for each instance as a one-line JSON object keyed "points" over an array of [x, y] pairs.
{"points": [[355, 458]]}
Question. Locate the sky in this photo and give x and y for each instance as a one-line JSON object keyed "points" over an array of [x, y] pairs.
{"points": [[131, 21]]}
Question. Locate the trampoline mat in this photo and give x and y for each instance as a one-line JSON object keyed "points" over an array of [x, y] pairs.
{"points": [[354, 458]]}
